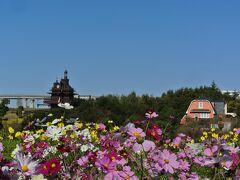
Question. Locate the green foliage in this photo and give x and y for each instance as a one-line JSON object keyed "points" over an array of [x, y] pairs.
{"points": [[3, 107], [14, 123], [193, 129], [123, 109], [8, 144], [204, 172]]}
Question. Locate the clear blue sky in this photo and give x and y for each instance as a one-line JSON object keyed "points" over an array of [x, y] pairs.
{"points": [[115, 47]]}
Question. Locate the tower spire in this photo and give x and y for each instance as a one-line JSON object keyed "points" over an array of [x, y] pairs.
{"points": [[65, 74]]}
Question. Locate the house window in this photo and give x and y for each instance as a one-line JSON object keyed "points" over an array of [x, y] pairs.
{"points": [[207, 115], [204, 115], [200, 105]]}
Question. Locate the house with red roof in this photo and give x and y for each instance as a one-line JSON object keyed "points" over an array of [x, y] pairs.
{"points": [[203, 109]]}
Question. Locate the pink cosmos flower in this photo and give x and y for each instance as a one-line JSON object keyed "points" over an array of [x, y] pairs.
{"points": [[82, 161], [121, 173], [106, 164], [101, 127], [184, 165], [238, 131], [25, 164], [146, 146], [210, 151], [167, 161], [136, 132], [226, 164], [177, 141], [126, 173], [151, 114], [167, 141], [210, 161], [233, 149], [1, 147], [199, 160], [193, 176], [39, 148], [187, 176], [27, 146]]}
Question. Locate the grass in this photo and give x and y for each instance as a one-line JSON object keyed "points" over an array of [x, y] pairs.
{"points": [[10, 144], [16, 124]]}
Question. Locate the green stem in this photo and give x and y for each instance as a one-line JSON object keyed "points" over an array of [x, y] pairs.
{"points": [[215, 174], [146, 129], [141, 177], [166, 128]]}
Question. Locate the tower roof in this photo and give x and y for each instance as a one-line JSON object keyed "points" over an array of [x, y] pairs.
{"points": [[65, 74]]}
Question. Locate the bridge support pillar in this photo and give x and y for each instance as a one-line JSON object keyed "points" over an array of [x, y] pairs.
{"points": [[26, 102], [33, 103]]}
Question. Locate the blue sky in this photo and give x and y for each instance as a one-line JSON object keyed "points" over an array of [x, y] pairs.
{"points": [[116, 47]]}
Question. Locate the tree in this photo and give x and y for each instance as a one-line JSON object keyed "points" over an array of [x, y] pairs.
{"points": [[3, 107]]}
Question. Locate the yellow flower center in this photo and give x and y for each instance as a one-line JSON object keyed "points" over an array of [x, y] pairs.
{"points": [[24, 168], [136, 134], [166, 161], [106, 165], [53, 165], [127, 177]]}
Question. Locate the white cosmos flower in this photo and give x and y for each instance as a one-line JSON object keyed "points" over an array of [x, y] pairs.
{"points": [[55, 121], [25, 164], [5, 170], [16, 150], [38, 177], [86, 147], [54, 132], [85, 133], [49, 150], [50, 115], [29, 138], [65, 105]]}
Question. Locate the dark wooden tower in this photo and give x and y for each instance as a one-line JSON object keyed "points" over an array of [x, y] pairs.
{"points": [[61, 92]]}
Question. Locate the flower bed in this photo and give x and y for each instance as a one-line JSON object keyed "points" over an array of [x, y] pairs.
{"points": [[64, 149]]}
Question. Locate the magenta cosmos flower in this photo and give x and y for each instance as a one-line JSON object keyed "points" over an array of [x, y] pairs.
{"points": [[50, 167], [154, 132], [167, 161]]}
